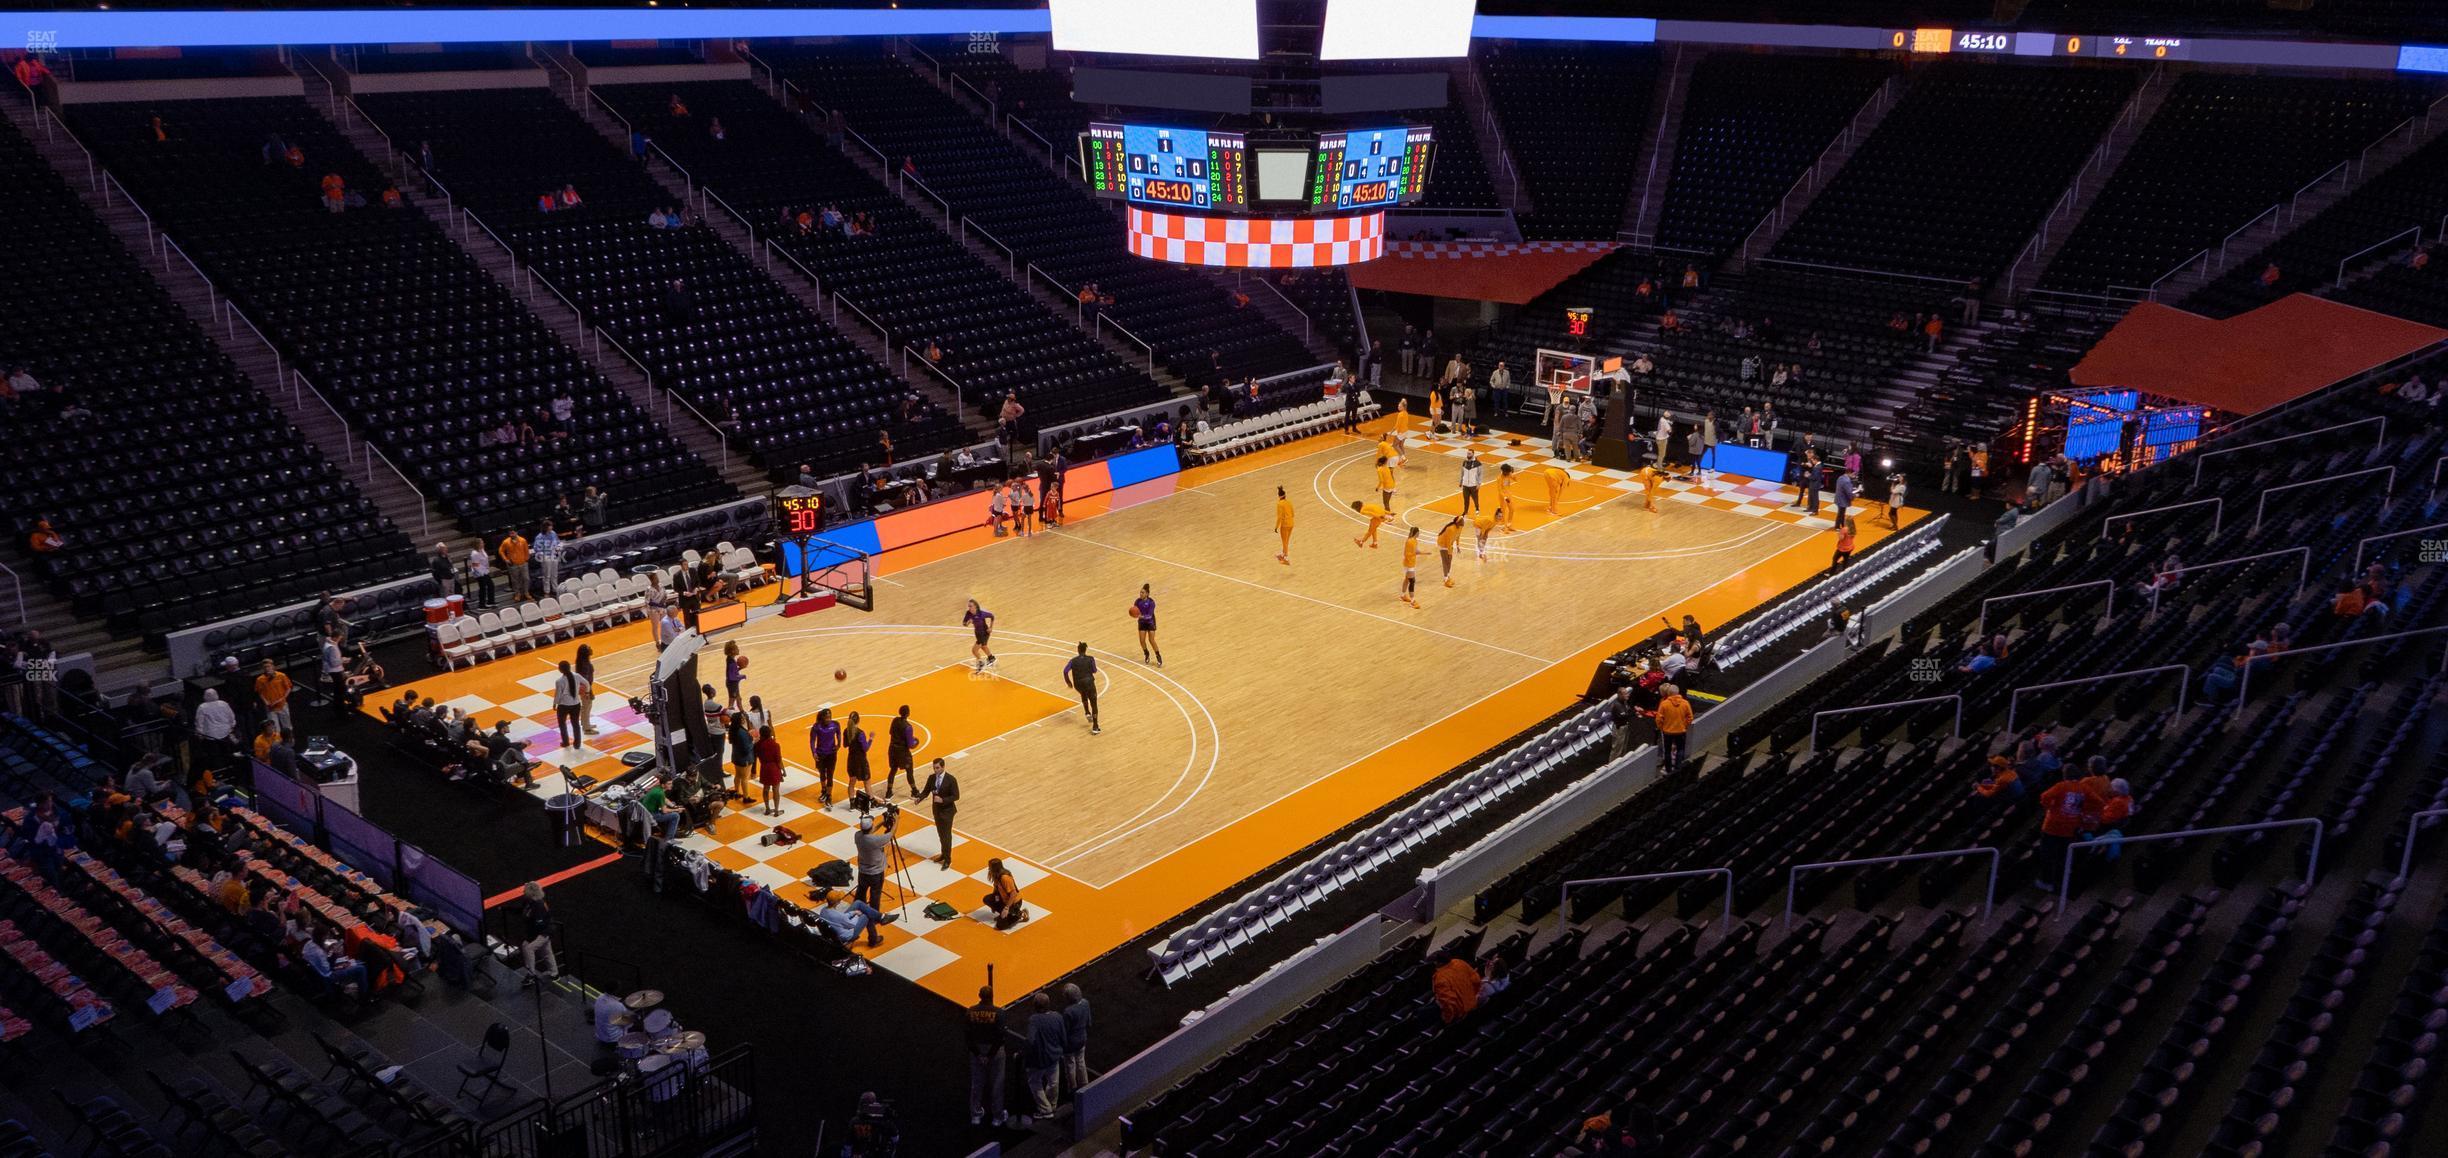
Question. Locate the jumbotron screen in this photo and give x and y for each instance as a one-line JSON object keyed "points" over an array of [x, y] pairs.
{"points": [[1212, 169], [1370, 168], [1167, 167]]}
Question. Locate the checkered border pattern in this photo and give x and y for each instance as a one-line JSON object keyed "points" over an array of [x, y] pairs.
{"points": [[1465, 250], [1257, 243], [1733, 493], [736, 841]]}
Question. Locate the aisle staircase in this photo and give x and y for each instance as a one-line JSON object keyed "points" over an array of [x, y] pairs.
{"points": [[2098, 170], [1647, 204], [1797, 199]]}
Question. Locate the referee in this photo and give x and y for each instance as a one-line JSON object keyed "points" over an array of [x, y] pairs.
{"points": [[1080, 673]]}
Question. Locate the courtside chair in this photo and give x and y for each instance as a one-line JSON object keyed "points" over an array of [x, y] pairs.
{"points": [[486, 1066]]}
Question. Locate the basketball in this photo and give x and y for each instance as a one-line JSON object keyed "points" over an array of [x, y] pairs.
{"points": [[841, 673]]}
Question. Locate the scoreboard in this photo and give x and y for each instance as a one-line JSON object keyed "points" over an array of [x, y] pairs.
{"points": [[1370, 168], [1167, 167], [1211, 169], [1577, 321]]}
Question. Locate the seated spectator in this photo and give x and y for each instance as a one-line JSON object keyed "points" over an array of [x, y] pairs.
{"points": [[845, 919], [2000, 780], [1455, 987], [2352, 603], [345, 975], [569, 198], [676, 107], [657, 220], [544, 202], [714, 129], [45, 540], [1978, 660]]}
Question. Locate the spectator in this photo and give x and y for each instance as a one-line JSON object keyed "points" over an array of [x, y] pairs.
{"points": [[272, 687], [45, 540], [1621, 715], [2062, 808], [546, 551], [536, 928], [1455, 988], [2352, 603], [1075, 1038], [1041, 1058], [1674, 718], [515, 553], [2000, 780]]}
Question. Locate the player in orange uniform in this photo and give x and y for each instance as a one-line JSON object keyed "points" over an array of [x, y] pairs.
{"points": [[1447, 537], [1411, 549], [1376, 516], [1504, 497], [1283, 527], [1385, 484], [1556, 480], [1485, 521], [1649, 477], [1402, 431]]}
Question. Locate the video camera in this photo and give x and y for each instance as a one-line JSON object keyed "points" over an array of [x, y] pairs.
{"points": [[866, 804]]}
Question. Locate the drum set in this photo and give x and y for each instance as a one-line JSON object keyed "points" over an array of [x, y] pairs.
{"points": [[656, 1048]]}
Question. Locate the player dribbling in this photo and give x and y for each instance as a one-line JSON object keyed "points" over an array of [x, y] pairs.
{"points": [[1143, 609]]}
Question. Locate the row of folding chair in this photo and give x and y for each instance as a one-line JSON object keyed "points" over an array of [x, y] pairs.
{"points": [[550, 619]]}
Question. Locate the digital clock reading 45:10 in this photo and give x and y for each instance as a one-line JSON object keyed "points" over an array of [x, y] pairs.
{"points": [[1983, 42]]}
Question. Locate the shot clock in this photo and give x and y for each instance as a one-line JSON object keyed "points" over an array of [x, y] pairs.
{"points": [[1577, 321], [799, 514]]}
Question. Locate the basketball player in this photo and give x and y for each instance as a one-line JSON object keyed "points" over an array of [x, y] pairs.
{"points": [[824, 742], [980, 622], [901, 740], [1283, 527], [1411, 550], [1080, 673], [1484, 521], [1504, 496], [1385, 447], [1556, 478], [1447, 537], [1376, 516], [1024, 508], [1402, 431], [857, 740], [1143, 609], [1385, 484], [1649, 476]]}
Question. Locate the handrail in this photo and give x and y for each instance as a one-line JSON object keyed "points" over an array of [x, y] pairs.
{"points": [[1013, 119], [1011, 255], [1079, 313], [51, 117], [2368, 541], [946, 206], [2302, 576], [2216, 517], [615, 114], [840, 300], [575, 86], [1307, 327], [1884, 273], [390, 148], [2263, 506], [2345, 168], [983, 99], [2244, 679], [1818, 716], [424, 520], [2435, 473], [2184, 687], [736, 215], [17, 585], [2151, 292], [2110, 584], [773, 245], [2392, 239], [299, 387], [960, 393], [1793, 876], [881, 158], [212, 293], [688, 184], [2231, 236], [1725, 915], [2405, 863], [1107, 320], [1879, 100], [2065, 880], [2207, 455]]}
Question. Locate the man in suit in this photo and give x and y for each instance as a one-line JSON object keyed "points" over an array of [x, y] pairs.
{"points": [[943, 795]]}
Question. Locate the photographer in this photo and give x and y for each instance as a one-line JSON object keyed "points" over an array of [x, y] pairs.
{"points": [[873, 1133], [874, 842]]}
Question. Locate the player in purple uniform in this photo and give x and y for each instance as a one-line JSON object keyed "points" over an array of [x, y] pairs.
{"points": [[980, 621], [1143, 609]]}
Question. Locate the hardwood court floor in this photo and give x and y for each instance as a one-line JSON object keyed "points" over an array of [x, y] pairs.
{"points": [[1294, 698]]}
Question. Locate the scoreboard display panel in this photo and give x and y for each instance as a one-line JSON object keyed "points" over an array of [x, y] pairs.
{"points": [[1167, 167], [1365, 168]]}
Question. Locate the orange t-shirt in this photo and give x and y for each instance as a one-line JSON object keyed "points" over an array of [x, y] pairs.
{"points": [[514, 550], [1410, 550], [272, 689], [1674, 715], [1448, 535], [1385, 478]]}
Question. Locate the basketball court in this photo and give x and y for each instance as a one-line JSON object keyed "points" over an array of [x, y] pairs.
{"points": [[1295, 698]]}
